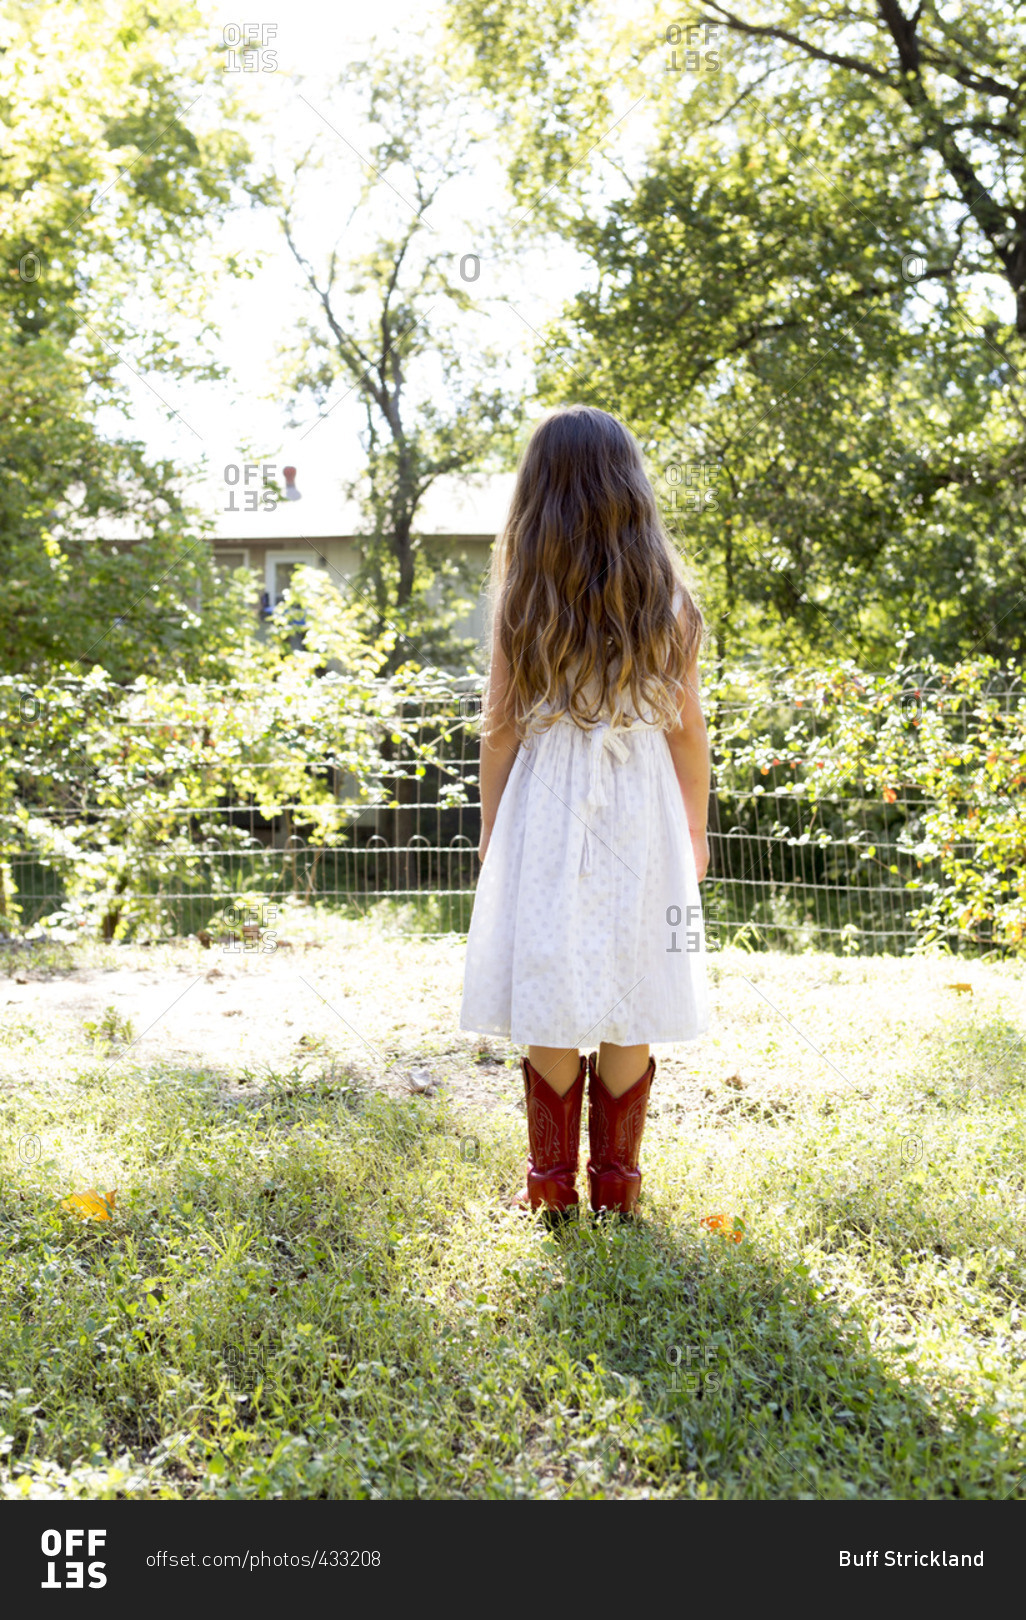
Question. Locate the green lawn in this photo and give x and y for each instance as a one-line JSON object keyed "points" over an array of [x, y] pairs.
{"points": [[312, 1286]]}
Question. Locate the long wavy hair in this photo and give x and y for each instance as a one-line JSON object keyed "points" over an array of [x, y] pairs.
{"points": [[582, 583]]}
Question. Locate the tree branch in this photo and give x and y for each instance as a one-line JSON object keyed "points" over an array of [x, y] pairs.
{"points": [[769, 31]]}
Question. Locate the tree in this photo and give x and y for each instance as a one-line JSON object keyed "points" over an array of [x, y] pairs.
{"points": [[961, 85], [397, 326], [109, 186], [784, 298], [856, 458], [69, 599]]}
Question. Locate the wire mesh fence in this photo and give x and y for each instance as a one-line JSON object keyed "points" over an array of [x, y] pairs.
{"points": [[374, 809], [381, 812], [877, 853], [853, 862]]}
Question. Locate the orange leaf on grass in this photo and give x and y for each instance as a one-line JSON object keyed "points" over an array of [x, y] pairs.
{"points": [[731, 1226], [91, 1205]]}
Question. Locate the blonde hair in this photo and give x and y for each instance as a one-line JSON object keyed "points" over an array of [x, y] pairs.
{"points": [[583, 579]]}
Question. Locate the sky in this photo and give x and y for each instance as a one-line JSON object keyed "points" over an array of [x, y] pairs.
{"points": [[288, 78]]}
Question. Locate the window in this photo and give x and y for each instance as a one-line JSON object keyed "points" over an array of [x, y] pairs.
{"points": [[279, 570]]}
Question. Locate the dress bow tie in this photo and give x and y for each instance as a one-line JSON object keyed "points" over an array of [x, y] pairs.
{"points": [[602, 742]]}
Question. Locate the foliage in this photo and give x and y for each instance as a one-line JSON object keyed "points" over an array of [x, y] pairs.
{"points": [[880, 795], [310, 1289], [398, 325], [73, 595], [801, 277], [128, 794], [107, 187], [914, 773]]}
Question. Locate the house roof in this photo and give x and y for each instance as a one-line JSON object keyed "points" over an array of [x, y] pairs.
{"points": [[465, 507], [453, 506]]}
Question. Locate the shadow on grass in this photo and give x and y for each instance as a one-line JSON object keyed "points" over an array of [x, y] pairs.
{"points": [[315, 1290], [739, 1379]]}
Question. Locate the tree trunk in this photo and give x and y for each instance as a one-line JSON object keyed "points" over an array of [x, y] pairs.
{"points": [[404, 554]]}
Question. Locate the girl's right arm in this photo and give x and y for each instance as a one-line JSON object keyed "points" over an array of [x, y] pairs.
{"points": [[689, 749], [500, 749]]}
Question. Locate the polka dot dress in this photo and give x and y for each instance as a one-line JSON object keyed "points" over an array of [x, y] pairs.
{"points": [[587, 922]]}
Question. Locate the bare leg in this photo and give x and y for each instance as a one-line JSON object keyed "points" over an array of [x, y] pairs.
{"points": [[620, 1067], [556, 1065]]}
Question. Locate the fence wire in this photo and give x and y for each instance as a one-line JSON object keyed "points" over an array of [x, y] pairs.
{"points": [[784, 872]]}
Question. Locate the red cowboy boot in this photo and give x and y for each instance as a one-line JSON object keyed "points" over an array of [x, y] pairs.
{"points": [[615, 1126], [553, 1134]]}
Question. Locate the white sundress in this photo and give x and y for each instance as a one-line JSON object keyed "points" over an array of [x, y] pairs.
{"points": [[587, 922]]}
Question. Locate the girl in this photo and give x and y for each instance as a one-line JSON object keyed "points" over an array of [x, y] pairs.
{"points": [[587, 921]]}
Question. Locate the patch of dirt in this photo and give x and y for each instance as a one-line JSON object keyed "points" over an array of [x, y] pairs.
{"points": [[382, 1009], [389, 1023]]}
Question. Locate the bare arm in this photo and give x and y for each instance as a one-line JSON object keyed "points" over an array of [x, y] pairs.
{"points": [[688, 743], [500, 749]]}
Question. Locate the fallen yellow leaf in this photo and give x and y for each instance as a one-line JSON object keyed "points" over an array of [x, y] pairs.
{"points": [[91, 1205]]}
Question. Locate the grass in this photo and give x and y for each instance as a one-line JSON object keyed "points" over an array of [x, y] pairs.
{"points": [[310, 1288]]}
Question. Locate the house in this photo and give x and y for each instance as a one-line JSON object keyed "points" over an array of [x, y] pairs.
{"points": [[316, 526]]}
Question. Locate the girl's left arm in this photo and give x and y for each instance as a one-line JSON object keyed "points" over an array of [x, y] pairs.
{"points": [[500, 749], [688, 743]]}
